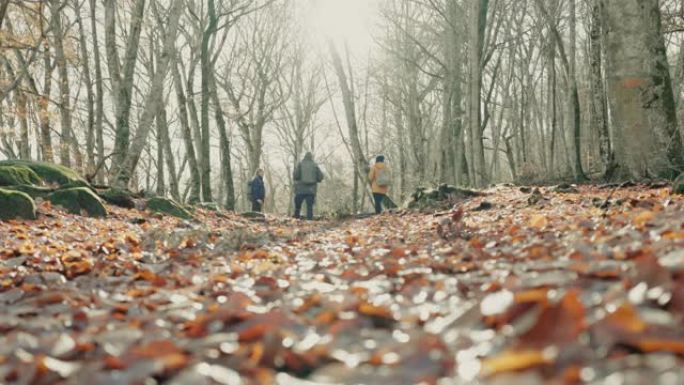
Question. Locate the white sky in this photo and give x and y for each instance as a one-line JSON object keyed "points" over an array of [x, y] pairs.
{"points": [[344, 20]]}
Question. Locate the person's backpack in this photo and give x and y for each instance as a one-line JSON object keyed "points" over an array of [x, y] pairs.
{"points": [[309, 174], [382, 177]]}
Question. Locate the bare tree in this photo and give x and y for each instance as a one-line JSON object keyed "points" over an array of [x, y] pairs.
{"points": [[155, 96], [122, 78]]}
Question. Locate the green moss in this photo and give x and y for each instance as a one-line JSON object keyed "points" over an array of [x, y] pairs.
{"points": [[15, 204], [48, 172], [79, 201], [16, 175], [167, 207], [32, 191], [118, 197], [678, 185]]}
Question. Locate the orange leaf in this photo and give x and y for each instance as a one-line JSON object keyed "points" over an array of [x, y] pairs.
{"points": [[165, 351], [368, 309], [514, 360], [656, 344], [641, 219], [626, 318], [536, 295], [538, 222], [149, 276], [114, 363]]}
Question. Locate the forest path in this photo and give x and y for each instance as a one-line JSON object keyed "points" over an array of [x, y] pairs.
{"points": [[512, 288]]}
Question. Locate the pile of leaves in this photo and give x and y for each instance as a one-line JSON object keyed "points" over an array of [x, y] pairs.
{"points": [[513, 287]]}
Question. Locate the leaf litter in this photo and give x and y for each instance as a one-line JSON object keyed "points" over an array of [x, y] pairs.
{"points": [[554, 287]]}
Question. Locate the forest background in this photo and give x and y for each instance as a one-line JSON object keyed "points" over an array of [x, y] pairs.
{"points": [[188, 98]]}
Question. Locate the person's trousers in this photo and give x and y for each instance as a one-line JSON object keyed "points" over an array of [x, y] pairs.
{"points": [[378, 199], [299, 200], [256, 206]]}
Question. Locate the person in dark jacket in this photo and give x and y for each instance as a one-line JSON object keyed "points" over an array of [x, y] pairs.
{"points": [[257, 191], [307, 176]]}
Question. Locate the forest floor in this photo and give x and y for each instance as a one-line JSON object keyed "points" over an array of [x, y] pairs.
{"points": [[508, 288]]}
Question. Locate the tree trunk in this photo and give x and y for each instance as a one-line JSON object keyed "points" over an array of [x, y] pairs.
{"points": [[574, 94], [154, 98], [22, 115], [46, 150], [3, 10], [599, 110], [350, 113], [226, 164], [161, 180], [478, 22], [85, 61], [99, 92], [195, 183], [206, 66], [648, 142], [568, 61], [163, 129], [122, 84], [64, 90]]}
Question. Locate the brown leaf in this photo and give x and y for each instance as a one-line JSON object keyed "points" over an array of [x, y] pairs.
{"points": [[558, 324]]}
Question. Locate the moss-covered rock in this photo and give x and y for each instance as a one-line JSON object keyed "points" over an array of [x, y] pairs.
{"points": [[167, 207], [80, 201], [32, 191], [432, 197], [211, 206], [18, 175], [16, 204], [678, 185], [48, 172], [118, 197]]}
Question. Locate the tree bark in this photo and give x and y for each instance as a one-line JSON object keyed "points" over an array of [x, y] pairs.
{"points": [[46, 150], [22, 115], [64, 90], [568, 61], [163, 128], [226, 158], [195, 182], [599, 110], [99, 92], [207, 72], [122, 83], [90, 96], [154, 98], [350, 113], [3, 11], [478, 12], [648, 142]]}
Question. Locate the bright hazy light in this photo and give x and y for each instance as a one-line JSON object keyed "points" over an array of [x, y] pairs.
{"points": [[349, 21]]}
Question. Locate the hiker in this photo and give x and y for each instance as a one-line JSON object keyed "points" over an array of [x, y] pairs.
{"points": [[380, 178], [257, 191], [307, 176]]}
